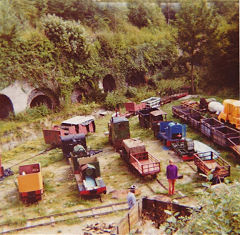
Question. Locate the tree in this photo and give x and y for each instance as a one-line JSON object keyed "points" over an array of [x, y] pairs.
{"points": [[9, 25], [197, 25], [224, 58], [144, 14]]}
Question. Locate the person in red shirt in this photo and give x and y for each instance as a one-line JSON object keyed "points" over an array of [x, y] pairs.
{"points": [[172, 175]]}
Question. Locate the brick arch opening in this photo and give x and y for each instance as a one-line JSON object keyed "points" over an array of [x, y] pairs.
{"points": [[42, 97], [6, 106], [136, 78], [41, 100], [109, 83]]}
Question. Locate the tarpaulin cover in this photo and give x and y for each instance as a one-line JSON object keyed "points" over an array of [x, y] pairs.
{"points": [[83, 120], [200, 147]]}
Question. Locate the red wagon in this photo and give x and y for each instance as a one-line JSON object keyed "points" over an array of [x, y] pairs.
{"points": [[134, 153]]}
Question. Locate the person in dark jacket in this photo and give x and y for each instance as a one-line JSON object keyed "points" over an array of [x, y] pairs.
{"points": [[172, 175], [216, 176]]}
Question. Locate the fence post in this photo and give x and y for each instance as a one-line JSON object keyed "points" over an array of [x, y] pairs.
{"points": [[129, 226]]}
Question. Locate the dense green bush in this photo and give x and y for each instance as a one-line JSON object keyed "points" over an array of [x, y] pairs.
{"points": [[70, 36], [114, 100], [220, 212], [131, 92]]}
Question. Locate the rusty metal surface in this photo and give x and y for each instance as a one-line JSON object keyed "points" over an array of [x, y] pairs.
{"points": [[154, 209]]}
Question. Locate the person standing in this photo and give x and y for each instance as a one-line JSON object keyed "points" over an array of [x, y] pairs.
{"points": [[216, 176], [131, 199], [172, 175]]}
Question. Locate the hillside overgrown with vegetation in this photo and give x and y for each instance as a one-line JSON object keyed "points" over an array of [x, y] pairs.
{"points": [[64, 45]]}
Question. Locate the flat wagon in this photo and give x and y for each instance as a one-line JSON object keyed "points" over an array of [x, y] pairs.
{"points": [[134, 152]]}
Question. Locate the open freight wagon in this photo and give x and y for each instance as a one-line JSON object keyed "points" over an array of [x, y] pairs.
{"points": [[222, 133], [208, 125], [134, 152], [181, 112], [144, 116], [194, 119], [156, 117], [234, 144], [207, 162]]}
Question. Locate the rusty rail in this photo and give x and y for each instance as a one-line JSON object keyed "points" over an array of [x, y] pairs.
{"points": [[81, 213]]}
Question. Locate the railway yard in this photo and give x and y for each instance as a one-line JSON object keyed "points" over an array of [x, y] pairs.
{"points": [[62, 210]]}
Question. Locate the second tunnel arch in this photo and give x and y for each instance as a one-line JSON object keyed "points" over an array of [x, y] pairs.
{"points": [[109, 83], [42, 96]]}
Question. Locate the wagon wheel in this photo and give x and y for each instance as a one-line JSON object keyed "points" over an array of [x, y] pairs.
{"points": [[154, 176]]}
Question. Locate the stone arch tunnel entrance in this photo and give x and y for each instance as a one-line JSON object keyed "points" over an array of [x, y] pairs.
{"points": [[136, 78], [41, 100], [109, 83], [6, 106], [42, 97]]}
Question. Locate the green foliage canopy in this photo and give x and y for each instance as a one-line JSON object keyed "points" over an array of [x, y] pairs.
{"points": [[197, 26]]}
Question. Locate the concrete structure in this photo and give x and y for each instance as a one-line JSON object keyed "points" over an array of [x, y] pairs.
{"points": [[20, 96]]}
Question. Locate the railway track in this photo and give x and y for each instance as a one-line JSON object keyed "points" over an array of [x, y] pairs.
{"points": [[35, 155], [62, 217]]}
